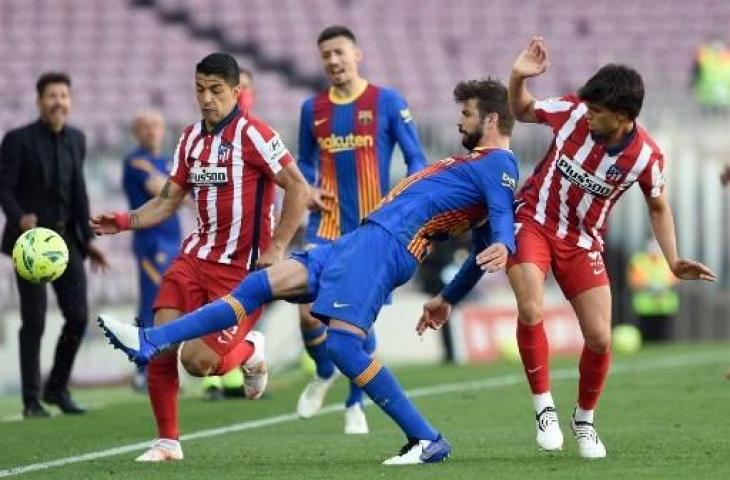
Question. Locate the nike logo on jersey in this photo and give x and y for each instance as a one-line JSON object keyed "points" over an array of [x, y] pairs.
{"points": [[319, 121], [598, 271], [340, 305], [534, 370]]}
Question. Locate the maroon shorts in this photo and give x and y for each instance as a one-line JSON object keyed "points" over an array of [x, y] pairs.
{"points": [[190, 283], [575, 269]]}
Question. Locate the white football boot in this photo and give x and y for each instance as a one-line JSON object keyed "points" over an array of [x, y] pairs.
{"points": [[162, 450], [416, 452], [312, 397], [355, 421], [549, 435], [255, 372], [589, 444]]}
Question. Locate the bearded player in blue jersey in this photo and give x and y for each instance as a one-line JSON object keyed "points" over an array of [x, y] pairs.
{"points": [[347, 135], [349, 280]]}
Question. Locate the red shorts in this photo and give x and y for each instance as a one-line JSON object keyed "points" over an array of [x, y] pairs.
{"points": [[575, 269], [190, 283]]}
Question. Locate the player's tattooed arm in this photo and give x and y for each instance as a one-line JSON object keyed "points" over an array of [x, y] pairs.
{"points": [[165, 193]]}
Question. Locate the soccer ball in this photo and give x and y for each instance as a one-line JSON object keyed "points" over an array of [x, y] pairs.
{"points": [[40, 255], [626, 339]]}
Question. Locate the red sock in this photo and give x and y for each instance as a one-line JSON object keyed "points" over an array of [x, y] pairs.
{"points": [[163, 385], [593, 370], [533, 345], [237, 356]]}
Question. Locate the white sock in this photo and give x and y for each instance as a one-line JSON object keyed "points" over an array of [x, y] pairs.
{"points": [[542, 400], [583, 415]]}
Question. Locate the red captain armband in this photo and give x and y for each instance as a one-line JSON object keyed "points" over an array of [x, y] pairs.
{"points": [[121, 219]]}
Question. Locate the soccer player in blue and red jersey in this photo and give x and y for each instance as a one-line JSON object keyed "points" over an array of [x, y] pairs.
{"points": [[460, 193], [144, 175], [346, 139]]}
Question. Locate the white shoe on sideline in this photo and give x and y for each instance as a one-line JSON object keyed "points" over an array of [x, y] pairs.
{"points": [[312, 397], [162, 450], [255, 371], [355, 421]]}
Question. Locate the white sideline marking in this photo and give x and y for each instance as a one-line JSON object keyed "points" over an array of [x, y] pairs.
{"points": [[496, 382]]}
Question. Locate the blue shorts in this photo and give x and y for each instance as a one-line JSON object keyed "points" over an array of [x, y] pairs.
{"points": [[352, 278]]}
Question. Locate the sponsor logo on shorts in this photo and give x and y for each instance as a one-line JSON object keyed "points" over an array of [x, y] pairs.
{"points": [[572, 171]]}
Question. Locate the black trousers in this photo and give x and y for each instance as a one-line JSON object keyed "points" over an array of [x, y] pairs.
{"points": [[70, 291]]}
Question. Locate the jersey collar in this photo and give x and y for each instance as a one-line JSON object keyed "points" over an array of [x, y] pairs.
{"points": [[222, 124], [345, 100]]}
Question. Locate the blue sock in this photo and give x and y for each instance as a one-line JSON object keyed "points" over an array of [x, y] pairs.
{"points": [[226, 312], [368, 347], [314, 343], [346, 351]]}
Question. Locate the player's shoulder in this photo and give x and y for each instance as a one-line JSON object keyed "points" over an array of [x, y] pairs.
{"points": [[648, 140], [498, 156], [389, 94], [255, 124]]}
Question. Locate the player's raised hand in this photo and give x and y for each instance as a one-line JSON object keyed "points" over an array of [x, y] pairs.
{"points": [[320, 200], [436, 312], [691, 270], [106, 223], [533, 60], [493, 258]]}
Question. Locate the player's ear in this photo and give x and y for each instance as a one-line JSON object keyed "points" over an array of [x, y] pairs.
{"points": [[358, 54]]}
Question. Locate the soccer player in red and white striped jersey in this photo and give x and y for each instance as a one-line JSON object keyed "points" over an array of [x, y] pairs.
{"points": [[231, 162], [598, 152]]}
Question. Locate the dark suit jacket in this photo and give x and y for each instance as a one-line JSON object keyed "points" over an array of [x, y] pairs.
{"points": [[25, 180]]}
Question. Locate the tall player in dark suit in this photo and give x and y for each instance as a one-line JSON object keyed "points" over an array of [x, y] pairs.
{"points": [[42, 185]]}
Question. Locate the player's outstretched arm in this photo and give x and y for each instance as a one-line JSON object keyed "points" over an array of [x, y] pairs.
{"points": [[148, 215], [662, 224], [532, 61], [296, 196]]}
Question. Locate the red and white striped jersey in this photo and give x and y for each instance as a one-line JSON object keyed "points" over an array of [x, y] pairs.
{"points": [[574, 187], [230, 171]]}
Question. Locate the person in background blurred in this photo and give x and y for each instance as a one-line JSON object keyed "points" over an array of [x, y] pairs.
{"points": [[144, 174], [246, 94], [42, 185], [711, 75], [655, 301], [347, 135]]}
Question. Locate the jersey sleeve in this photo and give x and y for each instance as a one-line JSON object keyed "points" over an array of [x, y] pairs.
{"points": [[307, 160], [652, 180], [403, 131], [469, 273], [264, 148], [497, 177], [180, 168], [555, 111]]}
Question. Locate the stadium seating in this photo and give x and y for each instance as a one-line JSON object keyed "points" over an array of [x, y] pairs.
{"points": [[125, 56]]}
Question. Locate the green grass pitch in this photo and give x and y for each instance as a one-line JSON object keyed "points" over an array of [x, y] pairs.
{"points": [[664, 415]]}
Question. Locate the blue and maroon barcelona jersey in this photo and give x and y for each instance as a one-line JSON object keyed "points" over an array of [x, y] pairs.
{"points": [[345, 147], [453, 196]]}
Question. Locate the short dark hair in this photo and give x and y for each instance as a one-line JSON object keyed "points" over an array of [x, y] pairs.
{"points": [[222, 65], [336, 31], [491, 97], [616, 87], [51, 77]]}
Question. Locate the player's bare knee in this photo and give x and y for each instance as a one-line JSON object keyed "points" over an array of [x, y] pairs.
{"points": [[199, 366], [598, 342], [197, 363], [530, 312]]}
